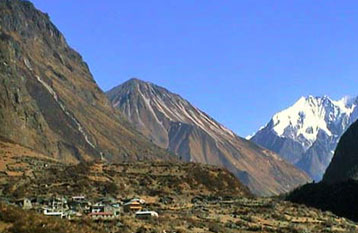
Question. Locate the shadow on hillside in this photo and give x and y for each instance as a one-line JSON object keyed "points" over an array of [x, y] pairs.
{"points": [[339, 198]]}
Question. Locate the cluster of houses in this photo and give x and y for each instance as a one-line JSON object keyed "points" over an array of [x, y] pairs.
{"points": [[103, 209]]}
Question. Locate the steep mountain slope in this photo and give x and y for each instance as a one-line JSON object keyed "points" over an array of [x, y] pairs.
{"points": [[307, 133], [344, 165], [338, 190], [49, 100], [172, 122]]}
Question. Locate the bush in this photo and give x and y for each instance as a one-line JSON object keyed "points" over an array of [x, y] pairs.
{"points": [[215, 227]]}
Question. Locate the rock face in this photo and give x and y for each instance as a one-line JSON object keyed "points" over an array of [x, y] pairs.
{"points": [[344, 165], [173, 123], [49, 100], [307, 133]]}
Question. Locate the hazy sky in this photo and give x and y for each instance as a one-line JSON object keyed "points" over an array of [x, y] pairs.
{"points": [[239, 61]]}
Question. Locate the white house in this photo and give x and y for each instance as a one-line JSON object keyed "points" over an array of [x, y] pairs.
{"points": [[146, 214], [54, 213], [78, 198]]}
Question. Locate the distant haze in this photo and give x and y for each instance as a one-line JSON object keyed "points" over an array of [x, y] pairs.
{"points": [[239, 61]]}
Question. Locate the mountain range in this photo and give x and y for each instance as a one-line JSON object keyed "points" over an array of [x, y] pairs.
{"points": [[61, 134], [307, 133], [172, 123], [51, 104]]}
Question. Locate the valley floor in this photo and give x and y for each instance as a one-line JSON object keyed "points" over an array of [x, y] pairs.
{"points": [[187, 197], [240, 215]]}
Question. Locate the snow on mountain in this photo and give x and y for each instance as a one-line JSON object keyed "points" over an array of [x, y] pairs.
{"points": [[310, 123], [308, 116]]}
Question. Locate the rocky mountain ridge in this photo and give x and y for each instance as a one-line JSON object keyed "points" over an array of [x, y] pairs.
{"points": [[49, 100]]}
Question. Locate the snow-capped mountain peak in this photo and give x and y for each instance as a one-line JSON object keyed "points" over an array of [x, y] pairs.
{"points": [[307, 132], [311, 115]]}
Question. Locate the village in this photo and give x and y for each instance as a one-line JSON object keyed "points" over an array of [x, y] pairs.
{"points": [[202, 214], [145, 197], [77, 207]]}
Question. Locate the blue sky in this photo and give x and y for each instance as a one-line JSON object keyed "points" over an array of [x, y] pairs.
{"points": [[239, 61]]}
